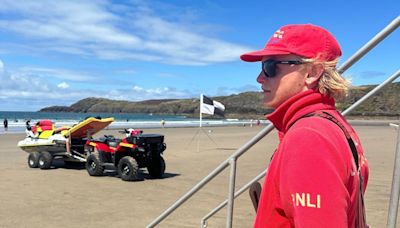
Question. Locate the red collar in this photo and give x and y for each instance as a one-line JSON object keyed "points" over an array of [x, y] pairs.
{"points": [[297, 106]]}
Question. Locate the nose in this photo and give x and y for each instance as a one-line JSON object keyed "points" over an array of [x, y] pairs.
{"points": [[261, 78]]}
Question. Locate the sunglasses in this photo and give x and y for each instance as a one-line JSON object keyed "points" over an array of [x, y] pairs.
{"points": [[269, 66]]}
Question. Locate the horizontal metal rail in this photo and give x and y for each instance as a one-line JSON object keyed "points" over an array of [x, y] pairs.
{"points": [[372, 92], [395, 126], [371, 44]]}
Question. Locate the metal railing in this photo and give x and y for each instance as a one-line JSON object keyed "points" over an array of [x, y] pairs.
{"points": [[395, 192], [232, 160]]}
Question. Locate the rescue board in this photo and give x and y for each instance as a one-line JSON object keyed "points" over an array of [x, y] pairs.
{"points": [[91, 125]]}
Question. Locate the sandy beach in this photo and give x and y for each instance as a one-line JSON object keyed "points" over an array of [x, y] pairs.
{"points": [[69, 197]]}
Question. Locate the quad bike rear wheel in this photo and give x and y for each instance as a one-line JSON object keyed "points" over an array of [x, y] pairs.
{"points": [[128, 169], [93, 165], [157, 167], [45, 160], [33, 160]]}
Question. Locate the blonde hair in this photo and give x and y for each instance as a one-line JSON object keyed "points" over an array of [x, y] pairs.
{"points": [[331, 82]]}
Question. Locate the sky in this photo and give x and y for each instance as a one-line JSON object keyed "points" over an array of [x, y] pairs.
{"points": [[58, 52]]}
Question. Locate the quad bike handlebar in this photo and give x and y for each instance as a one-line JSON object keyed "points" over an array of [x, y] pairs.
{"points": [[130, 132]]}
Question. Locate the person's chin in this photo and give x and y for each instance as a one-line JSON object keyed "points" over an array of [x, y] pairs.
{"points": [[267, 102]]}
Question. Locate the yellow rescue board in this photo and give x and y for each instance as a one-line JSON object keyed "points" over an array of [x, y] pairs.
{"points": [[89, 126]]}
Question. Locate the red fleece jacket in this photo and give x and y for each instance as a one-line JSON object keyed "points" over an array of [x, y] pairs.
{"points": [[312, 178]]}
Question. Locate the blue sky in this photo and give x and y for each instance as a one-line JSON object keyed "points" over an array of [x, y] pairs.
{"points": [[58, 52]]}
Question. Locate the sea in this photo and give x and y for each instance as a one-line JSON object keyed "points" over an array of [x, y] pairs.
{"points": [[17, 120]]}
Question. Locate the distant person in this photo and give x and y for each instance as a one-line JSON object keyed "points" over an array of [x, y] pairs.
{"points": [[318, 174], [162, 123], [28, 125], [258, 122], [28, 130], [5, 123]]}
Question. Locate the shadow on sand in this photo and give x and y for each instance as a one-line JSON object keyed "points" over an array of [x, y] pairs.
{"points": [[144, 175]]}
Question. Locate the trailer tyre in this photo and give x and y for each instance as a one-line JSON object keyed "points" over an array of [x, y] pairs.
{"points": [[128, 169], [45, 160], [93, 165], [33, 160], [157, 167]]}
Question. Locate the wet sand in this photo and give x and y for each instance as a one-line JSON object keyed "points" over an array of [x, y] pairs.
{"points": [[69, 197]]}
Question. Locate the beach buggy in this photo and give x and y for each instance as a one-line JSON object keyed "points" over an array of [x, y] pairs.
{"points": [[136, 150], [44, 142]]}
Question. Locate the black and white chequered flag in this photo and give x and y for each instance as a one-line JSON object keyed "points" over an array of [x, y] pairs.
{"points": [[211, 107]]}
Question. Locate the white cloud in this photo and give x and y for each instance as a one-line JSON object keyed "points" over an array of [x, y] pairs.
{"points": [[157, 93], [1, 66], [57, 73], [37, 90], [63, 85], [137, 89], [31, 91], [105, 30], [226, 91]]}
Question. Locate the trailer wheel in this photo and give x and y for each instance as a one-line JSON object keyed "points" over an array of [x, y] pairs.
{"points": [[45, 160], [33, 160], [128, 169], [157, 167], [93, 165]]}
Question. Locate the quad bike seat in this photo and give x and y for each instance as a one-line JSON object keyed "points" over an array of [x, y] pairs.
{"points": [[146, 138], [114, 143], [108, 139]]}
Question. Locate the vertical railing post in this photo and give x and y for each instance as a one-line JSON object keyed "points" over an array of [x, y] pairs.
{"points": [[223, 204], [394, 195], [231, 192]]}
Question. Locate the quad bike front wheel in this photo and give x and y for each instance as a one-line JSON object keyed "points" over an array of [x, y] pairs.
{"points": [[157, 167], [45, 160], [33, 160], [93, 165], [128, 169]]}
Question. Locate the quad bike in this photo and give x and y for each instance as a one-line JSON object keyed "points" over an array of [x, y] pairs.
{"points": [[127, 156]]}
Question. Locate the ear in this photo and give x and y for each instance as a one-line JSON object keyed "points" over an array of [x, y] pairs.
{"points": [[314, 74]]}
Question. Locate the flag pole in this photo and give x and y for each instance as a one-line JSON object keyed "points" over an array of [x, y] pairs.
{"points": [[201, 118], [201, 102]]}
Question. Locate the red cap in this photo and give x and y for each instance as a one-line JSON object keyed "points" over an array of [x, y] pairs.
{"points": [[304, 40]]}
